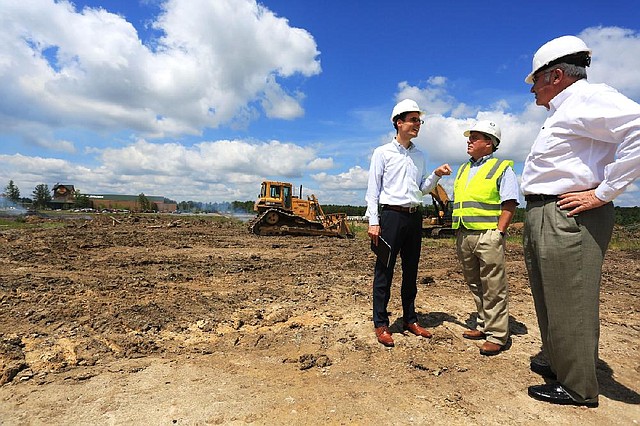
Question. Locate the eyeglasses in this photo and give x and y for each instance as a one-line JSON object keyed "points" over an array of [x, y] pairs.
{"points": [[537, 76], [414, 120], [474, 138]]}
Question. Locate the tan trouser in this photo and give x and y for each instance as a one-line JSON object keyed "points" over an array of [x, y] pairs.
{"points": [[481, 254]]}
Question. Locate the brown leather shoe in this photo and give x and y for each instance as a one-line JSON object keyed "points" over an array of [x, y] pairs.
{"points": [[384, 336], [473, 335], [489, 349], [417, 330]]}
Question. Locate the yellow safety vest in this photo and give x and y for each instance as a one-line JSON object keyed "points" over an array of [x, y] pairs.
{"points": [[477, 203]]}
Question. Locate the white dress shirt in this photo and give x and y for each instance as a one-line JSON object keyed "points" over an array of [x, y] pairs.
{"points": [[397, 177], [591, 139]]}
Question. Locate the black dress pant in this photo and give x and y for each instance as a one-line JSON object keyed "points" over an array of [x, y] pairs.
{"points": [[403, 231]]}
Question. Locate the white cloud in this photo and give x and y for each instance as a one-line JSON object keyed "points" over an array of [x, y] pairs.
{"points": [[616, 58], [61, 145], [278, 104], [433, 99], [442, 139], [354, 178], [224, 170], [437, 80], [90, 69], [320, 164], [28, 172], [209, 161]]}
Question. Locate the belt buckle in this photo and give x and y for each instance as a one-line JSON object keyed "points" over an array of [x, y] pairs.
{"points": [[413, 209]]}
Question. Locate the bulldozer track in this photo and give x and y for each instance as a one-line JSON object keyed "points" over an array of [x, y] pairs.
{"points": [[276, 221]]}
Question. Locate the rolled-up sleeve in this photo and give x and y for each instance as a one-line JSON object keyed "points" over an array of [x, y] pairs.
{"points": [[611, 117], [429, 182]]}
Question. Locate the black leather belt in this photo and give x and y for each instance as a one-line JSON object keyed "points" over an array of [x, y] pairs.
{"points": [[540, 197], [401, 208]]}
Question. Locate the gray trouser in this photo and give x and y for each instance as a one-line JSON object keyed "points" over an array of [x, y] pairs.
{"points": [[481, 254], [564, 257]]}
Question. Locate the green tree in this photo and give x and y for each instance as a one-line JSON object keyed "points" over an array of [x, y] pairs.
{"points": [[82, 201], [144, 203], [12, 192], [242, 206], [41, 196]]}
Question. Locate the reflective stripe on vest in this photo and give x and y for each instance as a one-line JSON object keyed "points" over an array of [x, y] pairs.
{"points": [[477, 204]]}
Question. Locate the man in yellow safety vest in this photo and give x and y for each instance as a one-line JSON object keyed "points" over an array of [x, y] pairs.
{"points": [[485, 196]]}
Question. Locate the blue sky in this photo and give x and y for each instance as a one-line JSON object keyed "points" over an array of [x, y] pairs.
{"points": [[203, 99]]}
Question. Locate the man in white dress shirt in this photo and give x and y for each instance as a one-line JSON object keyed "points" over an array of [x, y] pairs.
{"points": [[585, 155], [397, 180]]}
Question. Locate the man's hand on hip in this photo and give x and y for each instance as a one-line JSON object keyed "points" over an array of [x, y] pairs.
{"points": [[577, 202]]}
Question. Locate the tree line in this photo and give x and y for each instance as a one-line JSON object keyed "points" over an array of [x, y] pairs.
{"points": [[623, 215], [41, 196], [12, 197], [200, 207]]}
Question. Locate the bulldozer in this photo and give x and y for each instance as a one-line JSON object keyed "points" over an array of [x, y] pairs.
{"points": [[439, 225], [279, 212]]}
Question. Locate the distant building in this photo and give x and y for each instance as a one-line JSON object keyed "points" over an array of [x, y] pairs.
{"points": [[130, 202], [64, 198]]}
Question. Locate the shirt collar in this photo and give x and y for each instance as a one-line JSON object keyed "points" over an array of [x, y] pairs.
{"points": [[398, 145], [481, 160], [559, 99]]}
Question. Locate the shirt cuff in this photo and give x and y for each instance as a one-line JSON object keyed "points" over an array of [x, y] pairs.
{"points": [[607, 193]]}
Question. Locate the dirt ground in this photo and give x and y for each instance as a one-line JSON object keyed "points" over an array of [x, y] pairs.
{"points": [[180, 320]]}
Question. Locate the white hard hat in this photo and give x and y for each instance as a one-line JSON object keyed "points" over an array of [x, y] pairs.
{"points": [[559, 48], [487, 127], [406, 105]]}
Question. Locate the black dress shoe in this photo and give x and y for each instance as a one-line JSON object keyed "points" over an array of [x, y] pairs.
{"points": [[543, 370], [556, 394]]}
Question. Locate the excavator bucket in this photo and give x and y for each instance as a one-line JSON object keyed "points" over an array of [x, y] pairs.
{"points": [[440, 225]]}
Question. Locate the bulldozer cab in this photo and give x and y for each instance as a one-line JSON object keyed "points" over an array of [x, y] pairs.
{"points": [[274, 194]]}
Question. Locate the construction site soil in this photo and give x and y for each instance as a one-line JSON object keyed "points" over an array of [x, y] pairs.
{"points": [[165, 319]]}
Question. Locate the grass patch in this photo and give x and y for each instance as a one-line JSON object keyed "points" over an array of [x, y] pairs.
{"points": [[212, 218], [359, 229], [17, 222], [20, 222], [624, 244]]}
